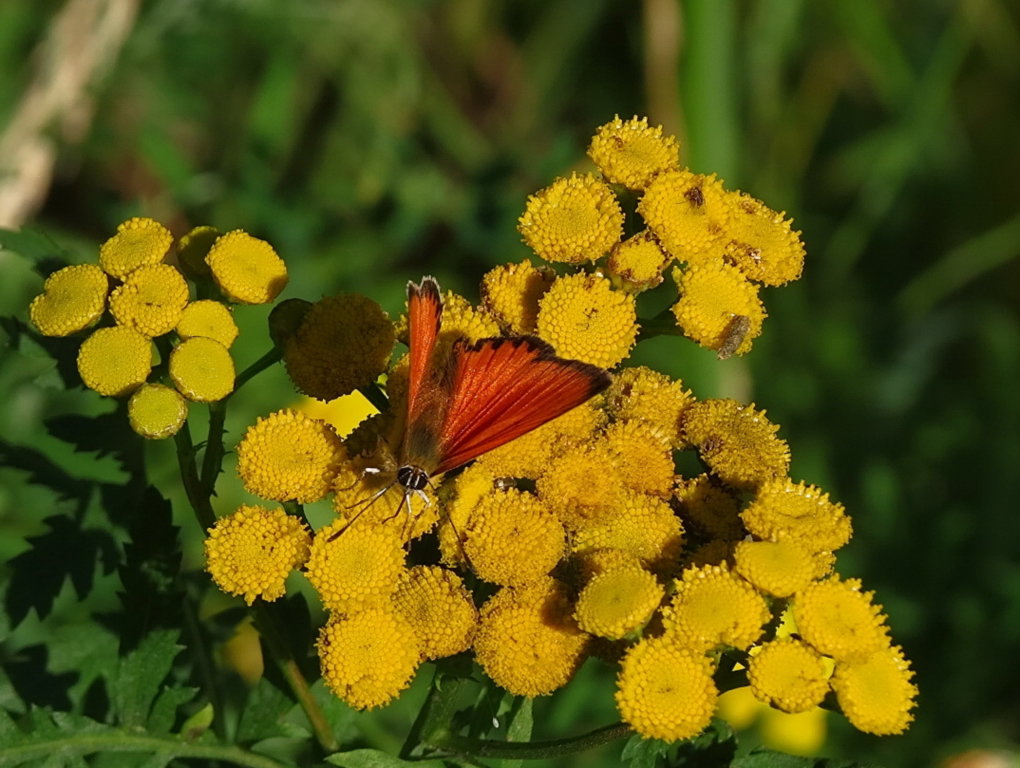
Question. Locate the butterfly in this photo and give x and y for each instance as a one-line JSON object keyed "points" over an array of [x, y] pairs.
{"points": [[469, 399]]}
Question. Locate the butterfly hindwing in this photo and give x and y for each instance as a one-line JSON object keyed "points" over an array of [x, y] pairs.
{"points": [[501, 388]]}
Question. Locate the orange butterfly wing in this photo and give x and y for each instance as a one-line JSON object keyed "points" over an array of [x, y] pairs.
{"points": [[501, 388], [424, 316]]}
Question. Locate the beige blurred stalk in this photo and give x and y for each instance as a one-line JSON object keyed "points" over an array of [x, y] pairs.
{"points": [[81, 44]]}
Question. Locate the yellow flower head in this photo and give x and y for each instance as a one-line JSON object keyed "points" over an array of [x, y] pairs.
{"points": [[641, 525], [709, 509], [713, 606], [344, 342], [630, 152], [439, 608], [784, 510], [192, 249], [358, 569], [582, 485], [638, 262], [643, 394], [618, 601], [155, 411], [737, 442], [251, 552], [573, 220], [840, 620], [643, 455], [246, 269], [285, 318], [202, 369], [367, 659], [762, 243], [353, 488], [585, 319], [778, 568], [511, 293], [512, 538], [151, 299], [531, 454], [788, 675], [714, 552], [461, 320], [458, 498], [138, 241], [210, 320], [876, 694], [527, 640], [287, 456], [688, 213], [115, 361], [665, 691], [718, 308], [73, 298]]}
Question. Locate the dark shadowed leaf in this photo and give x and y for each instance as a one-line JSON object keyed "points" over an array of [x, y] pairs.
{"points": [[140, 675]]}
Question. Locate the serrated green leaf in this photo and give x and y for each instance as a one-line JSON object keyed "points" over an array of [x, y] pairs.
{"points": [[373, 758], [767, 758], [643, 753], [36, 246], [59, 351], [520, 723], [263, 714], [141, 673], [107, 434], [164, 710]]}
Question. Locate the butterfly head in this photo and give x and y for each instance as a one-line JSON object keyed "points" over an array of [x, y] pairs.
{"points": [[412, 478]]}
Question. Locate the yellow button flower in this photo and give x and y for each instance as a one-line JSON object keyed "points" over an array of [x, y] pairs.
{"points": [[344, 342], [138, 241], [246, 269], [511, 293], [358, 569], [718, 308], [208, 319], [151, 299], [638, 262], [287, 456], [713, 606], [876, 694], [737, 442], [778, 568], [713, 552], [574, 220], [458, 497], [202, 370], [582, 486], [435, 602], [512, 538], [839, 619], [788, 675], [630, 152], [641, 525], [618, 601], [762, 243], [665, 691], [115, 361], [462, 320], [531, 454], [643, 394], [73, 299], [156, 411], [194, 247], [251, 552], [585, 319], [688, 213], [527, 641], [369, 658], [797, 512], [643, 455], [360, 498], [709, 509]]}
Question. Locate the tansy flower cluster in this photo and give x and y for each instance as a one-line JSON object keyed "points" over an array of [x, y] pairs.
{"points": [[139, 294], [578, 540]]}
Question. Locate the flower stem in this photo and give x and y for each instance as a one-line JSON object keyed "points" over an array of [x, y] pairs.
{"points": [[212, 461], [269, 628], [198, 494], [271, 357], [534, 750], [663, 324], [374, 394]]}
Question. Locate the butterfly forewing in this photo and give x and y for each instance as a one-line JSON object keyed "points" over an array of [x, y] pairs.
{"points": [[424, 315], [500, 389]]}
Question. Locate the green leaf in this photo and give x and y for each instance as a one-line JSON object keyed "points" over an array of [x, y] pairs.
{"points": [[59, 351], [520, 724], [37, 246], [137, 681], [263, 716], [164, 710], [108, 434], [373, 758], [643, 753], [766, 758]]}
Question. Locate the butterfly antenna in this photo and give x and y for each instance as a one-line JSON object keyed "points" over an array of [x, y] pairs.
{"points": [[361, 506]]}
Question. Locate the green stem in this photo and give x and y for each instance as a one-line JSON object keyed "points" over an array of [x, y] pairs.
{"points": [[212, 461], [82, 744], [197, 492], [374, 394], [663, 324], [270, 630], [534, 750], [204, 666], [271, 357]]}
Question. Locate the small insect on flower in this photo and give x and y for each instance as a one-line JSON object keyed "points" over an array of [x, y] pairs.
{"points": [[465, 401]]}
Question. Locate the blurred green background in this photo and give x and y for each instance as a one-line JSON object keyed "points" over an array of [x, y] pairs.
{"points": [[373, 141]]}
